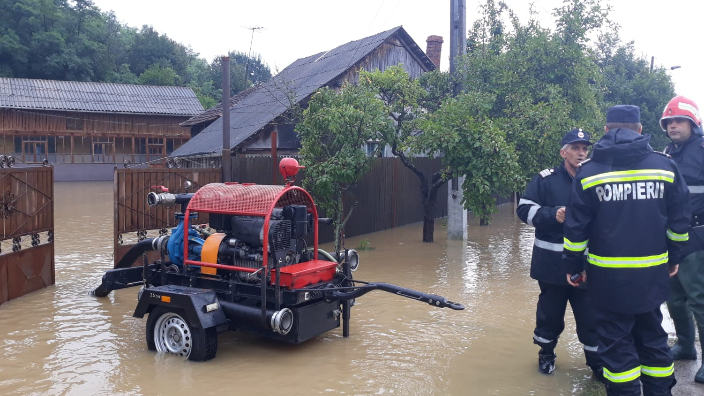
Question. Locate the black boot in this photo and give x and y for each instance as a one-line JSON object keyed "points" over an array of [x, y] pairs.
{"points": [[546, 361], [684, 327], [546, 355], [700, 374]]}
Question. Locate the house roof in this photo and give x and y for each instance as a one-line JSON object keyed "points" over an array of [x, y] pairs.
{"points": [[215, 112], [94, 97], [299, 80]]}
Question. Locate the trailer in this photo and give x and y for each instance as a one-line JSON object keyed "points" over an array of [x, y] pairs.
{"points": [[249, 269]]}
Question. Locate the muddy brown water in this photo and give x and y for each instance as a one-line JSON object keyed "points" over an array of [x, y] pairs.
{"points": [[61, 341]]}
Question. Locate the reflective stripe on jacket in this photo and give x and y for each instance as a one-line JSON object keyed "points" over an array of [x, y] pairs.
{"points": [[629, 206], [545, 194], [689, 157]]}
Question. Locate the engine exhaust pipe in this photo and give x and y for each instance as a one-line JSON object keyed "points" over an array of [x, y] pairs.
{"points": [[278, 321]]}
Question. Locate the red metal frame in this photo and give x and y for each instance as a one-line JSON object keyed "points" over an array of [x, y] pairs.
{"points": [[285, 190]]}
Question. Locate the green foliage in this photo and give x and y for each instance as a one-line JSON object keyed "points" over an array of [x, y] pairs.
{"points": [[364, 244], [62, 40], [157, 75], [629, 81], [123, 75], [335, 128], [401, 97], [257, 72], [545, 82], [406, 102], [428, 122], [474, 146]]}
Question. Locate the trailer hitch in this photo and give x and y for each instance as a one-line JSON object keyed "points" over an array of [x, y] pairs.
{"points": [[352, 292]]}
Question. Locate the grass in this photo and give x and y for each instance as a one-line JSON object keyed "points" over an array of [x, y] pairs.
{"points": [[364, 244]]}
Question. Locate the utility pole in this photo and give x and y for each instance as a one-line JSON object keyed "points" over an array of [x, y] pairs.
{"points": [[246, 68], [456, 213], [226, 153]]}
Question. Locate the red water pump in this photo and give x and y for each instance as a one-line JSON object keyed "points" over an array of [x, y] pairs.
{"points": [[260, 271]]}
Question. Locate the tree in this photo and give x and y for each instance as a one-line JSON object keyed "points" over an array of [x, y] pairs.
{"points": [[74, 40], [428, 123], [545, 82], [159, 75], [403, 99], [473, 145], [549, 81], [258, 72], [629, 80], [335, 128]]}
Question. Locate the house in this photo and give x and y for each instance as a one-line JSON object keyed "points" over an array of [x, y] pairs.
{"points": [[259, 121], [85, 129]]}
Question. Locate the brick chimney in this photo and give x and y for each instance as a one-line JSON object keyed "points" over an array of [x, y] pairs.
{"points": [[434, 49]]}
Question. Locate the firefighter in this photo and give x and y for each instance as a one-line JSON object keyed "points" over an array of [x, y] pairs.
{"points": [[682, 122], [543, 207], [629, 211]]}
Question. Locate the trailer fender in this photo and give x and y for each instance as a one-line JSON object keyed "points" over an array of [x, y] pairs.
{"points": [[201, 306]]}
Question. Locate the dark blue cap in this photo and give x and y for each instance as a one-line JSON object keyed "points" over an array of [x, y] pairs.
{"points": [[576, 135], [626, 114]]}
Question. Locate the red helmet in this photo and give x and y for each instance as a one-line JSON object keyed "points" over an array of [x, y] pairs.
{"points": [[681, 107]]}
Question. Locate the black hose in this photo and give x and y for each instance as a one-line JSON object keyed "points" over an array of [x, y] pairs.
{"points": [[135, 252], [126, 261]]}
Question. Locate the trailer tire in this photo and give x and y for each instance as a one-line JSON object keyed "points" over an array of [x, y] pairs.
{"points": [[168, 331]]}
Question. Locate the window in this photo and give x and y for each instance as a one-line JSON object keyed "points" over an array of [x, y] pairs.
{"points": [[74, 124], [371, 149]]}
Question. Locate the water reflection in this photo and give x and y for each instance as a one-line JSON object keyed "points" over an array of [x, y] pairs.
{"points": [[60, 341]]}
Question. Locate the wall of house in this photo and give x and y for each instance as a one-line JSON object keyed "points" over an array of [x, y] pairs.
{"points": [[389, 54], [287, 141], [88, 138]]}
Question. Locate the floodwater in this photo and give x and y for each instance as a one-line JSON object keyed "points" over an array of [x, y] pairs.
{"points": [[61, 341]]}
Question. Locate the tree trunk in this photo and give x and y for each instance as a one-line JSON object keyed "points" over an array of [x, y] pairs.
{"points": [[428, 220], [485, 218]]}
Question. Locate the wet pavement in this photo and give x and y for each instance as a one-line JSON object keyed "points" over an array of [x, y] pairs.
{"points": [[61, 341]]}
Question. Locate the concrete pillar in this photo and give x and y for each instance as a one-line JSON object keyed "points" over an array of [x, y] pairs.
{"points": [[456, 213]]}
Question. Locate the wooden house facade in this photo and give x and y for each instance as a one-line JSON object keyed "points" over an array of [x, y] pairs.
{"points": [[85, 129], [259, 118]]}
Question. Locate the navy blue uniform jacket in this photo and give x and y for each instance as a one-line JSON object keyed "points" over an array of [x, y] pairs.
{"points": [[689, 157], [546, 193], [630, 207]]}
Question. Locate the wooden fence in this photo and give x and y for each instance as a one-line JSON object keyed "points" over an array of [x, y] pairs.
{"points": [[27, 230], [134, 219], [387, 196]]}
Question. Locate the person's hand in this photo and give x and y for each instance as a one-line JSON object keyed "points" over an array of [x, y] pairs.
{"points": [[579, 281], [673, 270], [560, 215]]}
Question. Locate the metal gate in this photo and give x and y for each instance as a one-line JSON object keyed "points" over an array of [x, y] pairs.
{"points": [[134, 219], [27, 232]]}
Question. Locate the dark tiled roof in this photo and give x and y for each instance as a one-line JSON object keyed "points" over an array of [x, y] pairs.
{"points": [[215, 112], [20, 93], [293, 84]]}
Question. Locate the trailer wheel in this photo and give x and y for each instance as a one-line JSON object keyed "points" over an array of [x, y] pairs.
{"points": [[168, 331]]}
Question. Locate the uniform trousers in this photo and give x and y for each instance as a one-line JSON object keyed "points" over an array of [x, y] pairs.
{"points": [[633, 349], [687, 289], [550, 318]]}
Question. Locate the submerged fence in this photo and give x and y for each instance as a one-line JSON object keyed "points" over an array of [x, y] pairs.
{"points": [[26, 230]]}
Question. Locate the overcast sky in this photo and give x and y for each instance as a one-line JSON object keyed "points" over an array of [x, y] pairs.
{"points": [[671, 30]]}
